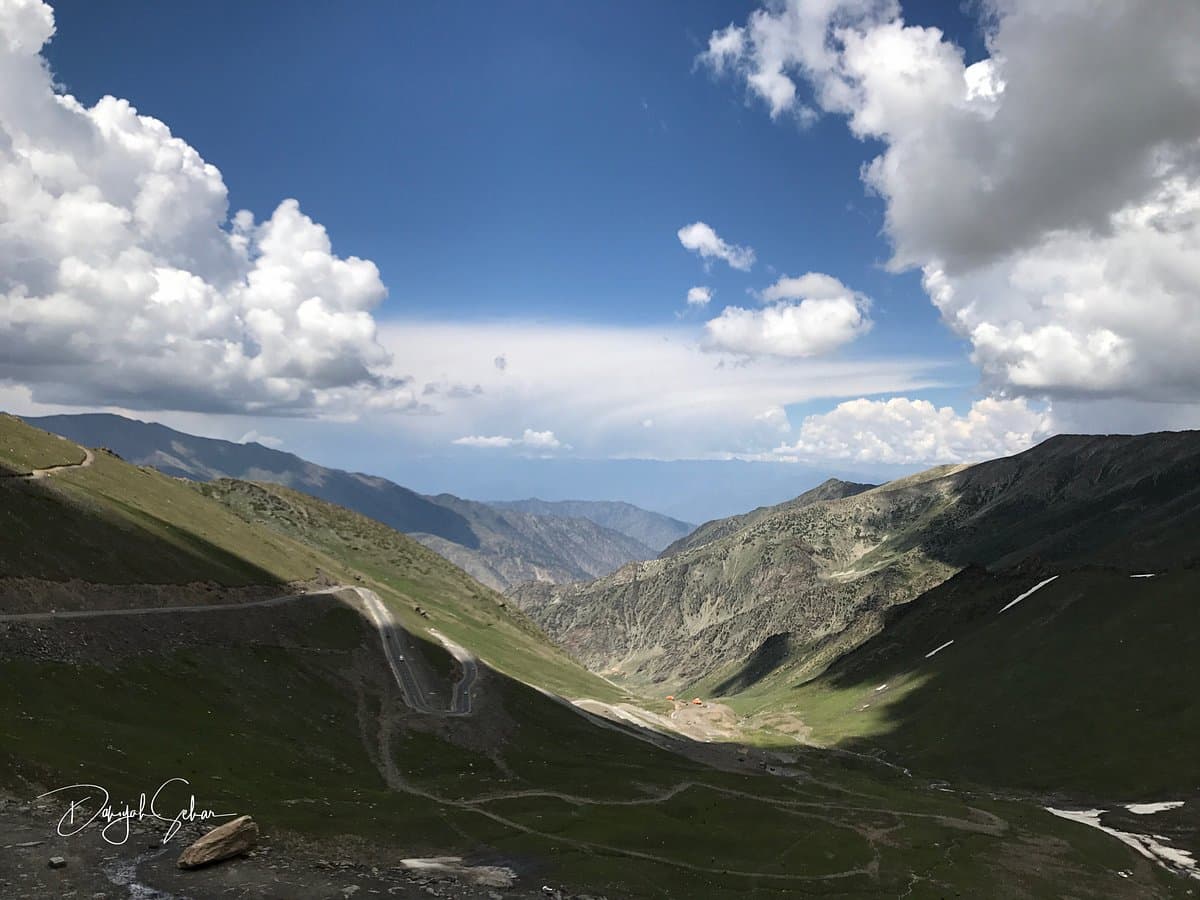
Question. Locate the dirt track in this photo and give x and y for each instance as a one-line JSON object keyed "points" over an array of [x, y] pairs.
{"points": [[36, 474]]}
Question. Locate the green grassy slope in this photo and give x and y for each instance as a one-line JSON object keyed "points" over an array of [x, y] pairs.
{"points": [[114, 523], [409, 575], [117, 524], [499, 547], [1090, 685], [23, 449]]}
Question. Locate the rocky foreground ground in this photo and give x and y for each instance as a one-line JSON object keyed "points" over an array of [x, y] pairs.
{"points": [[37, 864]]}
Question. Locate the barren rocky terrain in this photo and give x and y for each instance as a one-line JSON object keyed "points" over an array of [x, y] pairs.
{"points": [[812, 577]]}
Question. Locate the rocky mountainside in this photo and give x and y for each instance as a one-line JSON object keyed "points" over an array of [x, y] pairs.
{"points": [[652, 529], [513, 547], [808, 581], [498, 547], [830, 489]]}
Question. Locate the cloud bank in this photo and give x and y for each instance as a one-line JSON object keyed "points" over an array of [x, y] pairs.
{"points": [[904, 431], [598, 387]]}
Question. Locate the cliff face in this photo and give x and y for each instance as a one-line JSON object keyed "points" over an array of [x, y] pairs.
{"points": [[822, 572]]}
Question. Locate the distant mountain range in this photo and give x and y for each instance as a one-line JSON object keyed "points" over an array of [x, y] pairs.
{"points": [[501, 545], [788, 589], [654, 530]]}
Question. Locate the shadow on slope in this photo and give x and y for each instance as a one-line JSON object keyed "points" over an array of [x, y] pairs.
{"points": [[56, 533], [770, 655], [1087, 686], [1111, 499]]}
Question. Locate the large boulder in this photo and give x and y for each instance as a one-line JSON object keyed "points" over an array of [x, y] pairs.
{"points": [[231, 839]]}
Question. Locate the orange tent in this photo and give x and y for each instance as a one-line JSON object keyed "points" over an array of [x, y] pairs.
{"points": [[698, 702], [670, 696]]}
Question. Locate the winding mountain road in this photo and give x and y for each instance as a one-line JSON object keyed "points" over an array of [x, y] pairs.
{"points": [[460, 703], [395, 648], [393, 638]]}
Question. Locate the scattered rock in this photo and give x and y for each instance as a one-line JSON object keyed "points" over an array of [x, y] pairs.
{"points": [[58, 862], [225, 841]]}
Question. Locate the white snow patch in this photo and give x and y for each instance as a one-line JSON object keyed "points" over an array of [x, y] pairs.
{"points": [[1153, 848], [881, 687], [487, 876], [1149, 809], [1149, 575], [1036, 587], [938, 649]]}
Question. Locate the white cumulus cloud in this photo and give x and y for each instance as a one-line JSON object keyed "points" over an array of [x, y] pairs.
{"points": [[698, 296], [1049, 192], [904, 431], [124, 281], [808, 316], [701, 239]]}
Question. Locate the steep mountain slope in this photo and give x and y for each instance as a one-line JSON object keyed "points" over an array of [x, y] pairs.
{"points": [[113, 523], [289, 712], [812, 582], [1086, 684], [653, 530], [501, 549], [831, 489]]}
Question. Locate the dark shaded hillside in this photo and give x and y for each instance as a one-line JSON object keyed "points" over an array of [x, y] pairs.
{"points": [[499, 547], [1128, 499], [822, 573], [1089, 684]]}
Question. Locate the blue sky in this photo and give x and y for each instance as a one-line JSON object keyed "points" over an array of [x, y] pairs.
{"points": [[519, 175], [530, 159]]}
